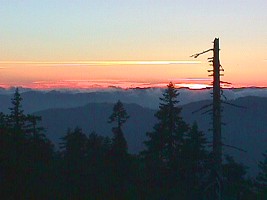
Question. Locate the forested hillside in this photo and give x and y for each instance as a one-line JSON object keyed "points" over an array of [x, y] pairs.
{"points": [[94, 158], [244, 127]]}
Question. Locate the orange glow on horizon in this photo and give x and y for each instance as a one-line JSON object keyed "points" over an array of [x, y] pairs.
{"points": [[105, 84], [123, 74]]}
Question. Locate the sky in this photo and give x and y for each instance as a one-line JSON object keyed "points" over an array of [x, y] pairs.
{"points": [[130, 43]]}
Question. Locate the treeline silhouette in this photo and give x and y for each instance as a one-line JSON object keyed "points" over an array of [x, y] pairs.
{"points": [[176, 163]]}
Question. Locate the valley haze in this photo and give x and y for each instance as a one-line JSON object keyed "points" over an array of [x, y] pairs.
{"points": [[36, 100]]}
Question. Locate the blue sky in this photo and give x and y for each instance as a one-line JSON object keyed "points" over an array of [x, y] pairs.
{"points": [[78, 30]]}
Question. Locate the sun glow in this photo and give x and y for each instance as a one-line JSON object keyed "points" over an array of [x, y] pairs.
{"points": [[124, 74], [104, 84]]}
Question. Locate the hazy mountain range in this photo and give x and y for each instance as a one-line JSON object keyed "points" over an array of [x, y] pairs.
{"points": [[41, 100], [245, 128]]}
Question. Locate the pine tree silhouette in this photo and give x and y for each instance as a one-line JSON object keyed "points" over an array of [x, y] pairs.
{"points": [[237, 185], [31, 125], [163, 155], [17, 117], [25, 160], [195, 162], [119, 117], [120, 160], [74, 166]]}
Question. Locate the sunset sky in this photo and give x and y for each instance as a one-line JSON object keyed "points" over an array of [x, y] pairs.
{"points": [[130, 43]]}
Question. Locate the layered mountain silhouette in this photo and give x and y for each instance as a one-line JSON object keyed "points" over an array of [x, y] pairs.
{"points": [[245, 128], [93, 117], [34, 101]]}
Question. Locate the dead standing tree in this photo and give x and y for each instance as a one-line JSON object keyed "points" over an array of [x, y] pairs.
{"points": [[216, 117]]}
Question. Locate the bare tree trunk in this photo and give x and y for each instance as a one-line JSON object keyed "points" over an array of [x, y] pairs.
{"points": [[217, 143]]}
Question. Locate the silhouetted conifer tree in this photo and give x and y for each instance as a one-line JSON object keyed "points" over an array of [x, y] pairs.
{"points": [[98, 146], [99, 169], [31, 125], [3, 121], [17, 117], [163, 155], [74, 169], [236, 186], [195, 162], [120, 160], [74, 144], [119, 117], [25, 161]]}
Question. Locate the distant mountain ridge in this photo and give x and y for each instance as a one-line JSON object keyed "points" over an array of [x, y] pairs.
{"points": [[34, 100], [245, 128], [93, 117]]}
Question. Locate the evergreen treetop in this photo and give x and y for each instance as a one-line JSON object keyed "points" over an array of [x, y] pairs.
{"points": [[169, 132], [17, 116], [119, 114], [164, 153]]}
